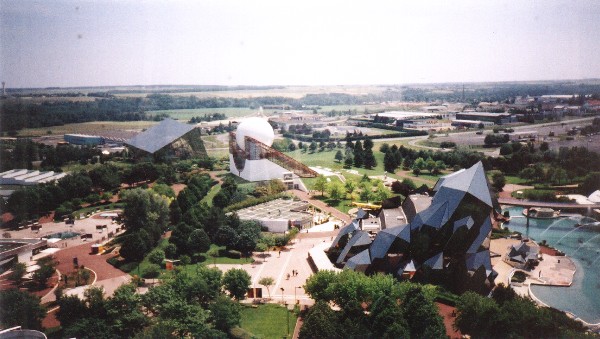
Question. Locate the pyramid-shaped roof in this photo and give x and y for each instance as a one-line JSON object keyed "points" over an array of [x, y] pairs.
{"points": [[471, 180], [159, 136], [360, 261], [384, 240], [351, 227], [476, 260], [359, 238], [436, 262]]}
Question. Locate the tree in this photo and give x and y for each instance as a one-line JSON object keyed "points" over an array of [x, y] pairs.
{"points": [[317, 284], [384, 148], [349, 160], [135, 246], [389, 162], [157, 256], [422, 315], [267, 282], [312, 147], [18, 271], [335, 190], [105, 177], [369, 159], [359, 156], [590, 183], [248, 234], [71, 310], [124, 309], [382, 192], [225, 313], [476, 315], [147, 211], [43, 274], [339, 156], [20, 308], [430, 164], [236, 282], [498, 180], [320, 184], [198, 241], [321, 322], [387, 319]]}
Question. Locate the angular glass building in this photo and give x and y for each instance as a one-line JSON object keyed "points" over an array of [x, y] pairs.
{"points": [[446, 243]]}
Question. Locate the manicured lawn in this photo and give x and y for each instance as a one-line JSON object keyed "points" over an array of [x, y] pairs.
{"points": [[208, 198], [187, 114], [94, 127], [268, 321], [511, 179]]}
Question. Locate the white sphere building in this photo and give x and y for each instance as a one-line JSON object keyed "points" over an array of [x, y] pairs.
{"points": [[252, 158]]}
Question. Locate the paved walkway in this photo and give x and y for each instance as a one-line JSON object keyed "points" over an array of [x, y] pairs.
{"points": [[322, 205], [279, 265]]}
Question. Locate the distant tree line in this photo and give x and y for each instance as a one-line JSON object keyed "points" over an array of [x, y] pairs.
{"points": [[208, 117]]}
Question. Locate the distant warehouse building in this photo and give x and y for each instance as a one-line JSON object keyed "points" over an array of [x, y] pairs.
{"points": [[495, 118], [83, 140], [13, 179]]}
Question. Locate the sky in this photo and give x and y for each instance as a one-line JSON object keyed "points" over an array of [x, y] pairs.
{"points": [[58, 43]]}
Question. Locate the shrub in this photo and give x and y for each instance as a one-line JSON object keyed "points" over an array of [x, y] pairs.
{"points": [[185, 259], [233, 254], [156, 257], [151, 271]]}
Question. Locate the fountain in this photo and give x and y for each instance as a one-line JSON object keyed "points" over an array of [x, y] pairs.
{"points": [[566, 234], [580, 246]]}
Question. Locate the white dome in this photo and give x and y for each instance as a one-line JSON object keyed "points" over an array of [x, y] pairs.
{"points": [[257, 128]]}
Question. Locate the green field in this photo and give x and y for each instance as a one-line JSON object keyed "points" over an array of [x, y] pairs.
{"points": [[187, 114], [268, 321], [94, 127]]}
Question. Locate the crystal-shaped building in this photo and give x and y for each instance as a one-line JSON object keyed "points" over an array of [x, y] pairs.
{"points": [[445, 243]]}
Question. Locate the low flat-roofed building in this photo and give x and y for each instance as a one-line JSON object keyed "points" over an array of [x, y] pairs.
{"points": [[19, 250], [279, 215], [28, 177], [496, 118], [83, 139]]}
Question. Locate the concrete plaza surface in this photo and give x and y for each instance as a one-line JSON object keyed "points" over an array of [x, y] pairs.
{"points": [[279, 265], [81, 226]]}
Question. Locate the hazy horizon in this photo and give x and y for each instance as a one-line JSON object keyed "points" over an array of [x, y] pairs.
{"points": [[272, 43]]}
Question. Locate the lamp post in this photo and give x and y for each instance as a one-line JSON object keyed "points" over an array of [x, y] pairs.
{"points": [[296, 299]]}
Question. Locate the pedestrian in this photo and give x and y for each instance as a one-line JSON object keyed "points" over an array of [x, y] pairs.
{"points": [[288, 276], [279, 255]]}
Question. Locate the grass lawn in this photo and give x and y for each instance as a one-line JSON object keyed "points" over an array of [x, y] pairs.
{"points": [[208, 198], [187, 114], [267, 321], [94, 127], [511, 179]]}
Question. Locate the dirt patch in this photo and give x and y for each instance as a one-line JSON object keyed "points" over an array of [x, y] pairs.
{"points": [[449, 314], [178, 188]]}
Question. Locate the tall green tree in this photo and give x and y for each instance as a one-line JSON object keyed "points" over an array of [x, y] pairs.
{"points": [[359, 156], [321, 322], [320, 184], [20, 308], [145, 210], [236, 282]]}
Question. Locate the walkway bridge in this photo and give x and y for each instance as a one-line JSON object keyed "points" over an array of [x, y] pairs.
{"points": [[563, 206]]}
